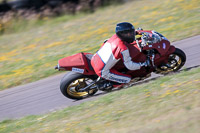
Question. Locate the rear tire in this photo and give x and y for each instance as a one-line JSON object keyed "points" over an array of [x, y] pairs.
{"points": [[72, 81]]}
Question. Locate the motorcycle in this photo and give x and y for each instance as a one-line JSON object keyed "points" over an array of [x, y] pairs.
{"points": [[83, 82]]}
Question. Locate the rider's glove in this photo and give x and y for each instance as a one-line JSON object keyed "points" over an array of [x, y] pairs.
{"points": [[147, 63]]}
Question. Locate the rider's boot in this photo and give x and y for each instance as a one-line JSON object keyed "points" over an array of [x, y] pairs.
{"points": [[109, 85], [105, 86]]}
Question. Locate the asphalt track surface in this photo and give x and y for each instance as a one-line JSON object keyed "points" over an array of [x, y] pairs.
{"points": [[44, 95]]}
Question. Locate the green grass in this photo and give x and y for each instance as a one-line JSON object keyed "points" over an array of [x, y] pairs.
{"points": [[30, 50], [169, 104]]}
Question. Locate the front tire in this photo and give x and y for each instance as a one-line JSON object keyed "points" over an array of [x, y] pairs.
{"points": [[72, 81], [176, 60]]}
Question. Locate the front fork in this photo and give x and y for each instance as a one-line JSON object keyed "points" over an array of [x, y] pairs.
{"points": [[151, 57], [152, 60]]}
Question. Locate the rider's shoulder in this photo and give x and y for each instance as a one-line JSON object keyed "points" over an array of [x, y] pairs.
{"points": [[115, 41]]}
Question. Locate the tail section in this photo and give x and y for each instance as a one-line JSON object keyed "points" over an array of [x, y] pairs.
{"points": [[78, 63]]}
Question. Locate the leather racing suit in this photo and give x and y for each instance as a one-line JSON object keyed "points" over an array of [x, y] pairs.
{"points": [[108, 55]]}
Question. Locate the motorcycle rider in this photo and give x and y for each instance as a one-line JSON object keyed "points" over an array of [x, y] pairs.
{"points": [[111, 52]]}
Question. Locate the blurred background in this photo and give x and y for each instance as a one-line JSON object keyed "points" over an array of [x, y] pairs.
{"points": [[28, 8], [35, 34]]}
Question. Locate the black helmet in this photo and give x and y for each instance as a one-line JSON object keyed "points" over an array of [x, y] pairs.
{"points": [[125, 31]]}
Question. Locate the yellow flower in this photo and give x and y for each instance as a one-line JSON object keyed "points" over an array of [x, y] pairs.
{"points": [[29, 47], [52, 45], [11, 53], [145, 7], [103, 30], [157, 121], [176, 91], [162, 85], [165, 19], [47, 65], [4, 58], [22, 71], [40, 38], [168, 92]]}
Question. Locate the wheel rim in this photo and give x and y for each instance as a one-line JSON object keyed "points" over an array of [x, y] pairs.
{"points": [[174, 61], [73, 88]]}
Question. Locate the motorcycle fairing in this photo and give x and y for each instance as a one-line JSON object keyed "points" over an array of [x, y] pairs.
{"points": [[162, 47]]}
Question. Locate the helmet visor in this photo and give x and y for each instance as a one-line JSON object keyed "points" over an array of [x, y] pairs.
{"points": [[128, 35]]}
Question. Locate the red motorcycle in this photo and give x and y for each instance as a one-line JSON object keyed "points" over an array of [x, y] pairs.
{"points": [[82, 81]]}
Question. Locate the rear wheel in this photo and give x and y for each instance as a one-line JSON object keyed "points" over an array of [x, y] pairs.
{"points": [[176, 61], [72, 82]]}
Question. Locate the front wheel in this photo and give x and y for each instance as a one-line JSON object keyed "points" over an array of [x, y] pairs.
{"points": [[72, 82], [176, 60]]}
